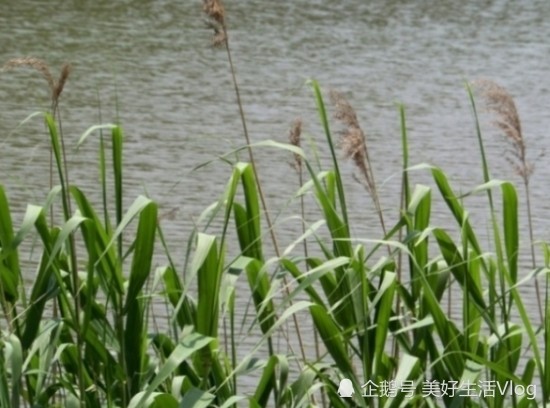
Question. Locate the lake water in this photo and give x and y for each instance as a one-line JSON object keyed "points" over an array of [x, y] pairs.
{"points": [[151, 61]]}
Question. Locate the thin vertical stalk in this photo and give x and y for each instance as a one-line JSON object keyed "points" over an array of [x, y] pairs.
{"points": [[404, 202], [498, 242], [354, 146], [65, 198], [532, 246], [58, 146], [258, 183]]}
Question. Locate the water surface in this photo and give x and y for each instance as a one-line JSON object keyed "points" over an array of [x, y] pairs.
{"points": [[149, 65]]}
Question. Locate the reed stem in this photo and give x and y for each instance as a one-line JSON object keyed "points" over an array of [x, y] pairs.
{"points": [[269, 222]]}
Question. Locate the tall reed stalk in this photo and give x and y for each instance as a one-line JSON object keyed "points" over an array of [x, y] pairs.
{"points": [[354, 145], [58, 151], [500, 103], [294, 138], [217, 21]]}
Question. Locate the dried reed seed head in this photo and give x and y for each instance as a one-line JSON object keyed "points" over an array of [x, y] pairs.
{"points": [[214, 9], [521, 169], [352, 140], [344, 111], [40, 65], [34, 63], [65, 72], [219, 38], [352, 143], [294, 139], [500, 102], [295, 132]]}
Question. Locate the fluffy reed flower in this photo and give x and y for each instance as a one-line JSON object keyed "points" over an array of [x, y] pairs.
{"points": [[214, 10], [353, 140], [34, 63], [63, 76], [294, 139], [499, 102], [216, 20], [56, 87], [353, 144]]}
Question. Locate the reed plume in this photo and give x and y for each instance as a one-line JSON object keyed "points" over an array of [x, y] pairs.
{"points": [[294, 137], [214, 10], [354, 146], [216, 19], [500, 103], [60, 84], [39, 65], [34, 63], [56, 88]]}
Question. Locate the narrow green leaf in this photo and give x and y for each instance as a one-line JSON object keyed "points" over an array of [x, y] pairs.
{"points": [[143, 252], [93, 129], [383, 314], [9, 257], [511, 230], [208, 266], [196, 398], [332, 337], [117, 171], [325, 123], [189, 345], [14, 355]]}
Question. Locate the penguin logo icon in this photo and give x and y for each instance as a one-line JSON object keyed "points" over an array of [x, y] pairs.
{"points": [[346, 388]]}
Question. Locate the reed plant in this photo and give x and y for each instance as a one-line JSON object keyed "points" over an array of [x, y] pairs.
{"points": [[376, 303], [109, 352], [216, 19], [500, 103]]}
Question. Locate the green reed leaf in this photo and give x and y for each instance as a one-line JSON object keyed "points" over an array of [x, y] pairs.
{"points": [[9, 257], [143, 252], [189, 345], [332, 337]]}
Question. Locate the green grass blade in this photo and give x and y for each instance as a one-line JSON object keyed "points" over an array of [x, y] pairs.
{"points": [[117, 171], [332, 337], [44, 288], [184, 315], [15, 358], [267, 382], [405, 150], [454, 205], [134, 308], [383, 314], [143, 252], [260, 286], [248, 217], [458, 266], [107, 263], [189, 345], [4, 386], [70, 227], [196, 398], [58, 152], [9, 256], [324, 122], [511, 230], [207, 264]]}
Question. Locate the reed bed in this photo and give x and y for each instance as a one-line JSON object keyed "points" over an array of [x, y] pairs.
{"points": [[381, 336]]}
